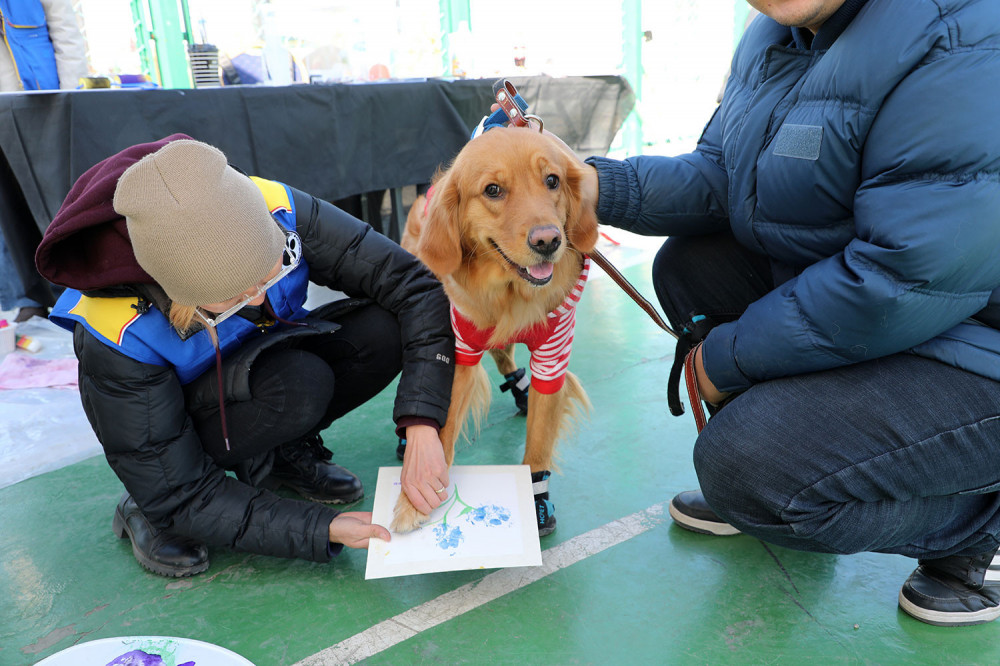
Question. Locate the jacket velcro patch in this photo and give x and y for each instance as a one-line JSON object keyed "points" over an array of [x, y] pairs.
{"points": [[802, 142]]}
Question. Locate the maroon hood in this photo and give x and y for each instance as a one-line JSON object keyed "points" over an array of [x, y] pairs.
{"points": [[87, 245]]}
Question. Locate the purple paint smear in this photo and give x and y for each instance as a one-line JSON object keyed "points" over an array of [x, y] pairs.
{"points": [[140, 658]]}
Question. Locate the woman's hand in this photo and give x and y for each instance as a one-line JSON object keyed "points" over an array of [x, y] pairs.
{"points": [[355, 528], [707, 389], [425, 471]]}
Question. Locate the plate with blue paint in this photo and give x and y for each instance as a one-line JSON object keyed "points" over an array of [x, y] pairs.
{"points": [[145, 651]]}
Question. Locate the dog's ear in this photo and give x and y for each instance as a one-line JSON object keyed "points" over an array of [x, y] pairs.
{"points": [[581, 222], [440, 244]]}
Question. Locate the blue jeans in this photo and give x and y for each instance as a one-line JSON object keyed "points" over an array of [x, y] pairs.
{"points": [[11, 288], [896, 455]]}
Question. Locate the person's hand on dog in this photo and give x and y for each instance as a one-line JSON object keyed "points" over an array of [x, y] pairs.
{"points": [[355, 528], [425, 472]]}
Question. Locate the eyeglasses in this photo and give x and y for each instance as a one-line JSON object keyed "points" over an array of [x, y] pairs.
{"points": [[290, 258]]}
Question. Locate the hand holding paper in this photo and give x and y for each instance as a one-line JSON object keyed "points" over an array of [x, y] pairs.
{"points": [[355, 528], [487, 521]]}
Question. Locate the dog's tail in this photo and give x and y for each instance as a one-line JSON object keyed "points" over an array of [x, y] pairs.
{"points": [[578, 405], [575, 409]]}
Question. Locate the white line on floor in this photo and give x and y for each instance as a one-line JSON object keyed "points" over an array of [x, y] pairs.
{"points": [[406, 625]]}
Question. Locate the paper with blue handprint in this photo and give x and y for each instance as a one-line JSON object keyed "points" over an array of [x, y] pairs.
{"points": [[488, 521]]}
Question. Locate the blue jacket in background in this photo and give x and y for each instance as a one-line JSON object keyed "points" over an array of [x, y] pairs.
{"points": [[26, 35], [868, 169]]}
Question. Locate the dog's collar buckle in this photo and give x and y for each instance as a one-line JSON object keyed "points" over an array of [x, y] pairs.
{"points": [[512, 104], [513, 109]]}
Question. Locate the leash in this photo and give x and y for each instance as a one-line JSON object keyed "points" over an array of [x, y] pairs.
{"points": [[686, 347], [513, 109], [627, 287]]}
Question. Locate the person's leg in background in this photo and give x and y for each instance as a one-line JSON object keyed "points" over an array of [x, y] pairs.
{"points": [[716, 277], [896, 455], [708, 275], [905, 463], [12, 295]]}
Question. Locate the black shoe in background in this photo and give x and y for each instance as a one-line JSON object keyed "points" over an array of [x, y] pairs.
{"points": [[305, 467], [954, 591], [690, 511]]}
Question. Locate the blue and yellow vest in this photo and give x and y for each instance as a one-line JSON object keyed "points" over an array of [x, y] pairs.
{"points": [[146, 335], [26, 36]]}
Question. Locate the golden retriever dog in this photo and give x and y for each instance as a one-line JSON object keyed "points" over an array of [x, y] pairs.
{"points": [[506, 233]]}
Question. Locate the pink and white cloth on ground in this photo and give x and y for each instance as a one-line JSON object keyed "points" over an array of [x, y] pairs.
{"points": [[20, 371]]}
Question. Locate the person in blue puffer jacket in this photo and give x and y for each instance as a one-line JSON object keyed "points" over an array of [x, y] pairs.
{"points": [[833, 261]]}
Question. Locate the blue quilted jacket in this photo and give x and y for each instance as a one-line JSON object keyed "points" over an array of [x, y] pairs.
{"points": [[866, 165]]}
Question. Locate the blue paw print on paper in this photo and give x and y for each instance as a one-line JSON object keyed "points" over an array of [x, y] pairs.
{"points": [[448, 536], [491, 515]]}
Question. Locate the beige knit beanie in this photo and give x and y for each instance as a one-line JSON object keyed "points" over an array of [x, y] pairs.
{"points": [[199, 228]]}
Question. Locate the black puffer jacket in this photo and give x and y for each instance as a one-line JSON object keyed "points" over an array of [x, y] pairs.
{"points": [[139, 414]]}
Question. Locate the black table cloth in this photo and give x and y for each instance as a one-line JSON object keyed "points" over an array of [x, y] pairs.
{"points": [[331, 140]]}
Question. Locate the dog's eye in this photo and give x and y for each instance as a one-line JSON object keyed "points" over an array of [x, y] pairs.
{"points": [[552, 181], [492, 191]]}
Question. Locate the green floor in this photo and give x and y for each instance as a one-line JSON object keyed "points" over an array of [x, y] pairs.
{"points": [[660, 595]]}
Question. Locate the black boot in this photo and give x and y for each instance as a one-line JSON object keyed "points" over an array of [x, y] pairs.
{"points": [[518, 385], [545, 511], [160, 552], [954, 591], [305, 467]]}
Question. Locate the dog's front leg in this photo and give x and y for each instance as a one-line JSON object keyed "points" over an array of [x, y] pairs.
{"points": [[549, 415], [406, 517], [545, 418]]}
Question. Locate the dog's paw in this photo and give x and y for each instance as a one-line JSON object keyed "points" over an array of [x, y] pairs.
{"points": [[405, 517]]}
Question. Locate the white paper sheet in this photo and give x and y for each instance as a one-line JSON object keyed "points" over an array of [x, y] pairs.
{"points": [[487, 522]]}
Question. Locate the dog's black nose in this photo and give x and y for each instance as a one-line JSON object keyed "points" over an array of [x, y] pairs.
{"points": [[545, 240]]}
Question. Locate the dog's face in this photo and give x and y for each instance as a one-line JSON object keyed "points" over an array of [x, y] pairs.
{"points": [[509, 206]]}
